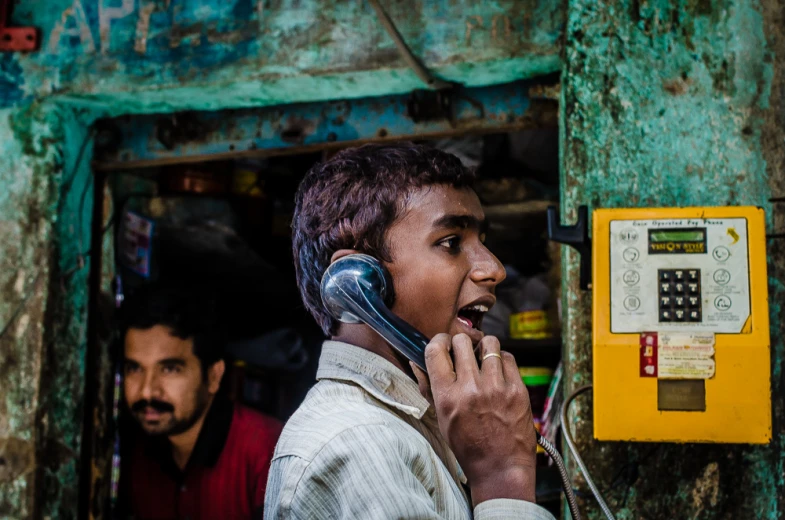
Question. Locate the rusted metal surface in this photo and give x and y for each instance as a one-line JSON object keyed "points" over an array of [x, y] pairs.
{"points": [[189, 136]]}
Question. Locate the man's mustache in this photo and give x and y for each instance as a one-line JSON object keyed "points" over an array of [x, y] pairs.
{"points": [[157, 405]]}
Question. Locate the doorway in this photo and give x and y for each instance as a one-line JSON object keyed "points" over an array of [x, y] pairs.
{"points": [[208, 198]]}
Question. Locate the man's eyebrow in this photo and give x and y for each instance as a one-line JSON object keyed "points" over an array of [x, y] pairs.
{"points": [[172, 361], [461, 222]]}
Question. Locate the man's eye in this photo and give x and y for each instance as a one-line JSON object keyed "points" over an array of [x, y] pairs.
{"points": [[451, 243], [171, 369], [131, 369]]}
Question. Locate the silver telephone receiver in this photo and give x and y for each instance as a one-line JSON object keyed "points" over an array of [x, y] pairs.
{"points": [[354, 289]]}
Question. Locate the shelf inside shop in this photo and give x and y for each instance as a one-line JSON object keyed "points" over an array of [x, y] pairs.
{"points": [[534, 352]]}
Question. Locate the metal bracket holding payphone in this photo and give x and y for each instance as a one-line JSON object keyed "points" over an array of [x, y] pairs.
{"points": [[680, 322], [576, 236]]}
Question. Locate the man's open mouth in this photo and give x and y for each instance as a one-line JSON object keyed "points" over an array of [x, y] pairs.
{"points": [[472, 315]]}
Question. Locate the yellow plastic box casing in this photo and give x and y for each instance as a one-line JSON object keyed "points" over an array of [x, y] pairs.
{"points": [[738, 395]]}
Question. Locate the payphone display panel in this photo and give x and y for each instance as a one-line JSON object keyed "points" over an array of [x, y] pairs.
{"points": [[679, 274]]}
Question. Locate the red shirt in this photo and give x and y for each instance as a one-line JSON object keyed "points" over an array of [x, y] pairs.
{"points": [[225, 478]]}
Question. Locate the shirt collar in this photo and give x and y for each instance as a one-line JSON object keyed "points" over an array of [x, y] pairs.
{"points": [[377, 376], [209, 444]]}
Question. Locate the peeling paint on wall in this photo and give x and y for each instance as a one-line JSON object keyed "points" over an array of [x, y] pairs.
{"points": [[664, 104], [105, 58], [118, 48]]}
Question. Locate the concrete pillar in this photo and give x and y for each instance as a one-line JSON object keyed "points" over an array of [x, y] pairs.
{"points": [[674, 104]]}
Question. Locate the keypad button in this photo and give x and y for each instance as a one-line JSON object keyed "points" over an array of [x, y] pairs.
{"points": [[631, 277], [721, 276], [628, 236], [720, 253], [722, 302], [679, 291], [631, 255], [632, 303]]}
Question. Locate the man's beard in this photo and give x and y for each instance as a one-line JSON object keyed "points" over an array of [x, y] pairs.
{"points": [[174, 426]]}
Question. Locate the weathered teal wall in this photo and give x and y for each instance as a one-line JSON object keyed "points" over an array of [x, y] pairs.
{"points": [[252, 52], [675, 103], [664, 103], [103, 58], [42, 305]]}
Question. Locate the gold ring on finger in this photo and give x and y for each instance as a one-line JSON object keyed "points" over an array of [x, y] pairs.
{"points": [[492, 354]]}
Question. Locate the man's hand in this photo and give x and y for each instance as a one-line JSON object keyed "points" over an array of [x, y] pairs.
{"points": [[484, 414]]}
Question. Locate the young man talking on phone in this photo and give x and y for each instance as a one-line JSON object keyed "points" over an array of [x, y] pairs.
{"points": [[377, 438]]}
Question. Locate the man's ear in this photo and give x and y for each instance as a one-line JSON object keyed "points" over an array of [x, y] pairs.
{"points": [[342, 253], [214, 375]]}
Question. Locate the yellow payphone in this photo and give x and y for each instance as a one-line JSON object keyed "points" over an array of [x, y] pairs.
{"points": [[680, 323]]}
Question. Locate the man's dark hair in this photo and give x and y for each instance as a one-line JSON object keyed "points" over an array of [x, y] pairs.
{"points": [[189, 312], [351, 200]]}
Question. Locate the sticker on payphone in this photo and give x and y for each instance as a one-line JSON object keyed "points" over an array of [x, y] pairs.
{"points": [[648, 354], [682, 355], [677, 355]]}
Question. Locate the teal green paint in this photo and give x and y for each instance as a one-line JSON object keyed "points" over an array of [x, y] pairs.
{"points": [[63, 369], [207, 55], [229, 47], [663, 105], [44, 303], [25, 230], [302, 89]]}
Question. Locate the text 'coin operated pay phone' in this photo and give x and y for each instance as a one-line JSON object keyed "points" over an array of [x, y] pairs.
{"points": [[680, 322]]}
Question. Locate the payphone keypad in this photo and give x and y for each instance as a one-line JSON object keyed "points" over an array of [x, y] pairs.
{"points": [[679, 295]]}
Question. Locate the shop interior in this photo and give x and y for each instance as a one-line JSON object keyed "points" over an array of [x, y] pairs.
{"points": [[225, 226]]}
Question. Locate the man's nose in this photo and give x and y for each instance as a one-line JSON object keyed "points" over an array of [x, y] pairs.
{"points": [[486, 268], [150, 388]]}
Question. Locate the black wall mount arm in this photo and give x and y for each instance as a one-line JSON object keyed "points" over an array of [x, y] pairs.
{"points": [[576, 236]]}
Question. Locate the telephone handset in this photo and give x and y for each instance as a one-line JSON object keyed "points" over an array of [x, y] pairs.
{"points": [[358, 289]]}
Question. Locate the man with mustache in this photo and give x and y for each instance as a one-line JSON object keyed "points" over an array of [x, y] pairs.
{"points": [[200, 455]]}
